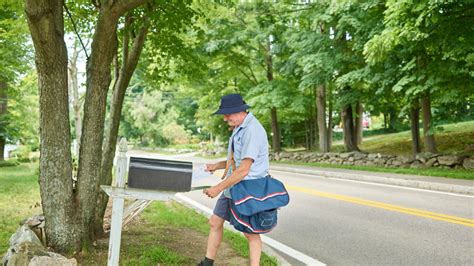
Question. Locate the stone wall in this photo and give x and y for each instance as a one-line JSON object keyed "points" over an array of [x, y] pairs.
{"points": [[27, 247], [359, 158]]}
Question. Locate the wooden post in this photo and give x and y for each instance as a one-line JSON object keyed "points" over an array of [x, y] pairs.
{"points": [[119, 193], [117, 207]]}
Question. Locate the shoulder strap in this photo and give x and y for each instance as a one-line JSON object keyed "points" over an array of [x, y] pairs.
{"points": [[230, 163]]}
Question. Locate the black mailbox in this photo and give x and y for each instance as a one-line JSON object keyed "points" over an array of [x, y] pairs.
{"points": [[159, 174]]}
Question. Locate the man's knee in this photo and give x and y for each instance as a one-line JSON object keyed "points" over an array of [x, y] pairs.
{"points": [[216, 222], [252, 237]]}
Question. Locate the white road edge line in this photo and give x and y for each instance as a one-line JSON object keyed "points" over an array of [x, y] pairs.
{"points": [[307, 260], [380, 184]]}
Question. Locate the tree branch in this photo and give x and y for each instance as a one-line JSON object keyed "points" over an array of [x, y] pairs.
{"points": [[122, 6], [126, 38]]}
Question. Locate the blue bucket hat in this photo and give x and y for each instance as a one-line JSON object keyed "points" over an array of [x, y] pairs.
{"points": [[231, 104]]}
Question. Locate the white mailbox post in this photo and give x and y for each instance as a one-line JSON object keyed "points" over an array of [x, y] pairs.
{"points": [[119, 193]]}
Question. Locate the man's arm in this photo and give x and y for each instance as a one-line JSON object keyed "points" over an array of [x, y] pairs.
{"points": [[241, 172], [216, 166]]}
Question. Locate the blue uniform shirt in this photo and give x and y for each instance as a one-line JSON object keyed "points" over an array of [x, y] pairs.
{"points": [[249, 140]]}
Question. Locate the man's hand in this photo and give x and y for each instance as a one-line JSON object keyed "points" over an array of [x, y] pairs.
{"points": [[212, 192], [211, 167]]}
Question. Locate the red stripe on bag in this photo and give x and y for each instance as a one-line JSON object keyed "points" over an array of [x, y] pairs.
{"points": [[260, 199], [246, 224]]}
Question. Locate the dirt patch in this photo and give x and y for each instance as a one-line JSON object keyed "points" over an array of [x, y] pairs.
{"points": [[186, 242], [140, 234]]}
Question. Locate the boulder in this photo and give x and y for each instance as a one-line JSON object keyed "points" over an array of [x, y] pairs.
{"points": [[468, 163], [373, 156], [449, 160], [26, 248], [396, 163], [431, 162], [360, 155], [417, 164], [346, 155], [52, 261], [422, 158], [406, 159]]}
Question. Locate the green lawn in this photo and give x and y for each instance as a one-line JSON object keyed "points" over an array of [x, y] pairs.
{"points": [[452, 138], [449, 173], [19, 198], [166, 233]]}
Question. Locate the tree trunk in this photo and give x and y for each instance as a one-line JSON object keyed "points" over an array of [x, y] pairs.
{"points": [[392, 119], [358, 122], [45, 20], [2, 148], [276, 136], [330, 119], [350, 141], [104, 45], [129, 63], [415, 128], [69, 216], [74, 91], [3, 112], [307, 137], [429, 139], [323, 130]]}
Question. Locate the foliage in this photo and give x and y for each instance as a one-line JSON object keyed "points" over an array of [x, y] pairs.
{"points": [[150, 119], [19, 122], [22, 118], [431, 43]]}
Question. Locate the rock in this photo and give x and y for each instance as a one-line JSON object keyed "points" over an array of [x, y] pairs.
{"points": [[417, 164], [369, 163], [431, 162], [449, 160], [421, 158], [372, 156], [396, 162], [26, 248], [346, 155], [24, 234], [277, 156], [406, 159], [468, 163], [380, 161], [52, 261], [359, 155]]}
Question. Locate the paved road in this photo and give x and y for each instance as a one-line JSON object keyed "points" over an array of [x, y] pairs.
{"points": [[342, 222]]}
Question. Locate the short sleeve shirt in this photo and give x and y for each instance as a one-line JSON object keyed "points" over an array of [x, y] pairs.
{"points": [[249, 140]]}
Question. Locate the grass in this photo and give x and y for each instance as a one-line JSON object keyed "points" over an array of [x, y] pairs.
{"points": [[455, 138], [165, 233], [19, 198], [178, 215], [450, 173]]}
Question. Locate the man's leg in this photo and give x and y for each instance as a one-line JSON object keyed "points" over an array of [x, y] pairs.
{"points": [[215, 236], [255, 248]]}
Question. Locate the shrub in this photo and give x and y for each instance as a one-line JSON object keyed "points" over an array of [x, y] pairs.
{"points": [[9, 163]]}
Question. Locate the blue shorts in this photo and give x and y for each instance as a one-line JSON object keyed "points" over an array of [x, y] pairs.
{"points": [[222, 208]]}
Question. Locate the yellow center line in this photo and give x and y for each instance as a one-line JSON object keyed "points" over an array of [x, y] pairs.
{"points": [[411, 211]]}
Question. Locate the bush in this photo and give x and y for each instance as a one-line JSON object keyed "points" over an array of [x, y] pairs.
{"points": [[9, 163], [21, 152]]}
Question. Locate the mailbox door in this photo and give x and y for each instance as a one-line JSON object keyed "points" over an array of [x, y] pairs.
{"points": [[159, 174]]}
